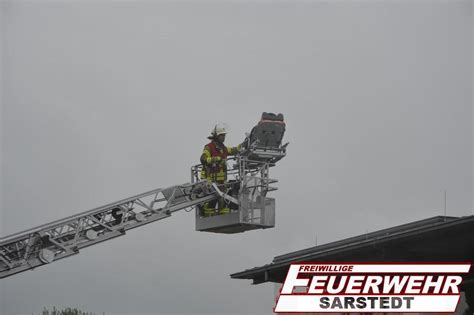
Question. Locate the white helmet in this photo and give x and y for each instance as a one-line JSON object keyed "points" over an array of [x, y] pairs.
{"points": [[219, 129]]}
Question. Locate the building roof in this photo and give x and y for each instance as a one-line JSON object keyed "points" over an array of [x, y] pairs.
{"points": [[436, 239]]}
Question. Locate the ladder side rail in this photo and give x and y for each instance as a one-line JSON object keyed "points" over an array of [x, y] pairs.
{"points": [[72, 218], [36, 261], [12, 237], [56, 241]]}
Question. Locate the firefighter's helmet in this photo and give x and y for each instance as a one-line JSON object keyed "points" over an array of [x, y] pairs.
{"points": [[219, 129]]}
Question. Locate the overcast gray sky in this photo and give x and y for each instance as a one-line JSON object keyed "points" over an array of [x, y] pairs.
{"points": [[104, 100]]}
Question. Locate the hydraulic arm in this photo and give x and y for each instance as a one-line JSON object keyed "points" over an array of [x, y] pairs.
{"points": [[50, 242]]}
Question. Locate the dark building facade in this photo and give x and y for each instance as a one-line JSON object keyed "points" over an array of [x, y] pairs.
{"points": [[437, 239]]}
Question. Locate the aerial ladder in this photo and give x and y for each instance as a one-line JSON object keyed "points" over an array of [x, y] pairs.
{"points": [[245, 193]]}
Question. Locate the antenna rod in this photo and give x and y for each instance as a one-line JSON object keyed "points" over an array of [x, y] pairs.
{"points": [[445, 205]]}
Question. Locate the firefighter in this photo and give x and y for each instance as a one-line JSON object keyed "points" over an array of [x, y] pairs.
{"points": [[214, 167]]}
